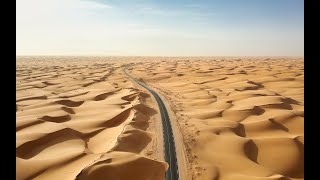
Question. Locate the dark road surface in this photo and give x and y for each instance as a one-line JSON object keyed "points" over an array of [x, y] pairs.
{"points": [[169, 145]]}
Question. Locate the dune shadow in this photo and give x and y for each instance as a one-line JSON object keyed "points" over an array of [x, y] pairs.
{"points": [[29, 125], [32, 98], [57, 119], [290, 101], [32, 148], [117, 120], [103, 96], [133, 141], [68, 110], [130, 97], [140, 121], [278, 106], [240, 130], [251, 150], [258, 110], [145, 109], [278, 125], [70, 103]]}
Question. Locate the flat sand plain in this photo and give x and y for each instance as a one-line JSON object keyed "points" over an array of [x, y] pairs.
{"points": [[80, 117]]}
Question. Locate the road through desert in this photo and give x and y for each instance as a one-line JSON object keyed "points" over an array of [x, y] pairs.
{"points": [[231, 117]]}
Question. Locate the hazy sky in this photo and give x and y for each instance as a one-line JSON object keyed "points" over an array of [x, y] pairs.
{"points": [[162, 27]]}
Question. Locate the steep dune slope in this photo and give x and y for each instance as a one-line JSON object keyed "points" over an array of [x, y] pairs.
{"points": [[241, 118], [83, 119]]}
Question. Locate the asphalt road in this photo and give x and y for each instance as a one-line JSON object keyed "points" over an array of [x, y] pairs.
{"points": [[169, 145]]}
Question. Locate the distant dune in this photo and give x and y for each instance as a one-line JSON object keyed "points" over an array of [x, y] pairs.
{"points": [[81, 118], [241, 118]]}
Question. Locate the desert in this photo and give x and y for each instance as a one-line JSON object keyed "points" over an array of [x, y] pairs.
{"points": [[81, 117]]}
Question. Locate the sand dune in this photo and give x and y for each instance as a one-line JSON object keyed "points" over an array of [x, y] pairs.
{"points": [[84, 120], [81, 118], [240, 118]]}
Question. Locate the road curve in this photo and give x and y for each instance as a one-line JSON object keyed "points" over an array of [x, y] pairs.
{"points": [[169, 145]]}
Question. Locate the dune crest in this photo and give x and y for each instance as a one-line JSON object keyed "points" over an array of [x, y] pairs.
{"points": [[241, 118], [83, 120]]}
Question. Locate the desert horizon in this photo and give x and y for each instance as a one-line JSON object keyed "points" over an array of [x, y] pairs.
{"points": [[158, 56], [160, 90]]}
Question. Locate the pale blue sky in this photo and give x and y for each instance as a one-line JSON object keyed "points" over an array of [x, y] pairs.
{"points": [[161, 28]]}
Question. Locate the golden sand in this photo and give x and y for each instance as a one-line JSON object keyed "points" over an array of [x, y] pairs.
{"points": [[239, 118]]}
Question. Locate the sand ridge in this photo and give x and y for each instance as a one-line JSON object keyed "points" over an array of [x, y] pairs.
{"points": [[83, 119], [80, 117], [241, 118]]}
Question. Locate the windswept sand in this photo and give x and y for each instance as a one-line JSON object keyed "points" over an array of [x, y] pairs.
{"points": [[241, 118], [80, 117]]}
